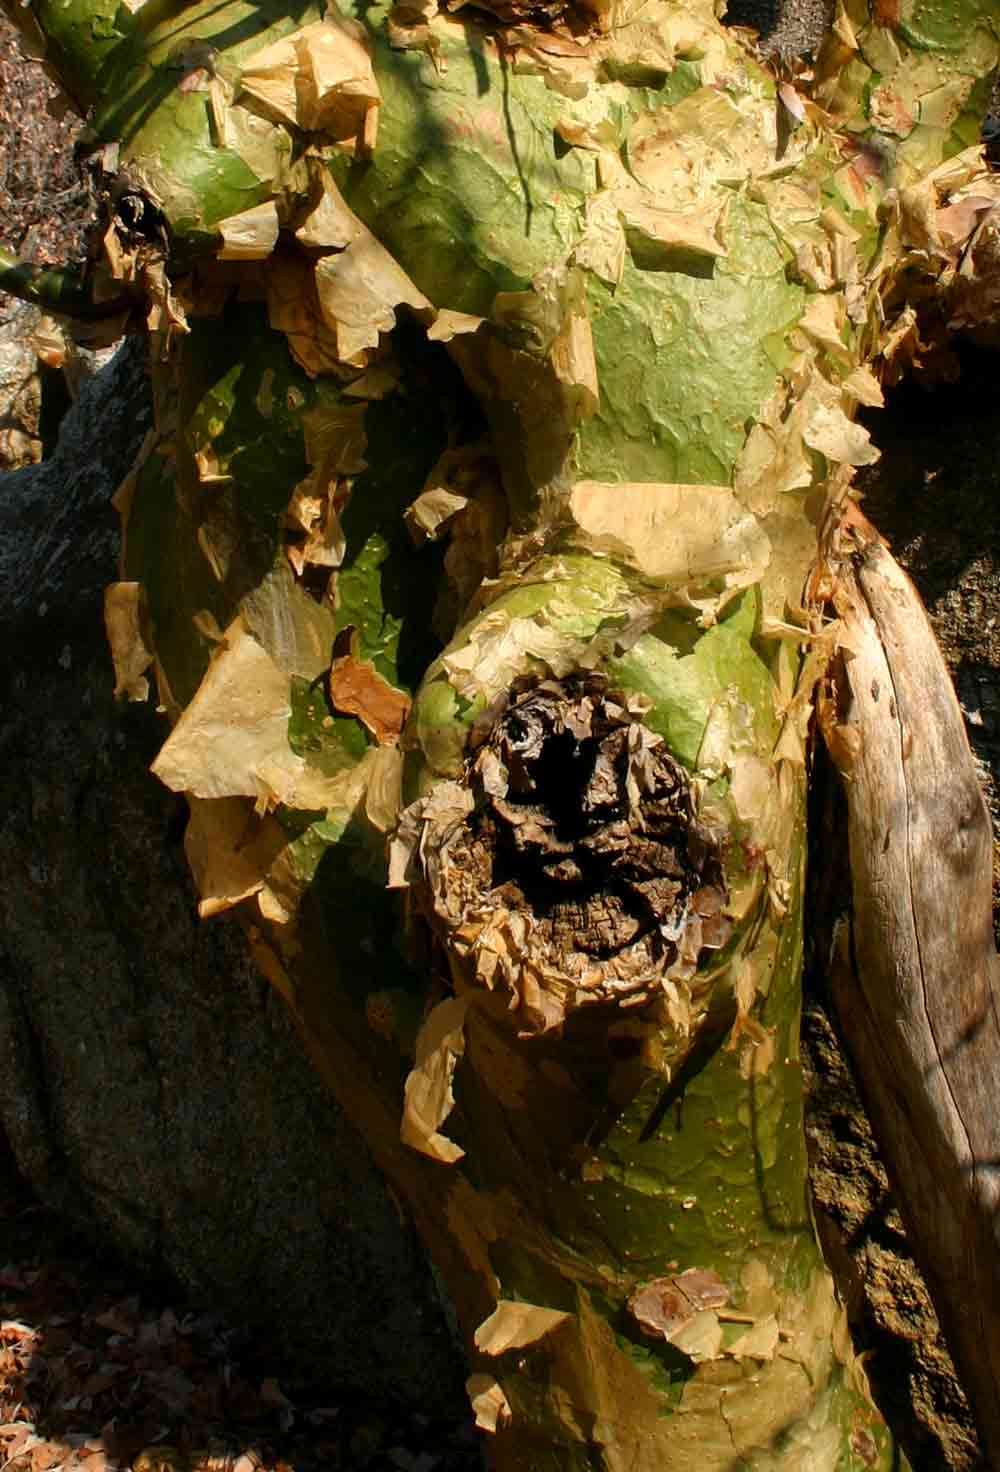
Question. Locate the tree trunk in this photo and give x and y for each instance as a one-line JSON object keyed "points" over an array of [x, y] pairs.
{"points": [[517, 823]]}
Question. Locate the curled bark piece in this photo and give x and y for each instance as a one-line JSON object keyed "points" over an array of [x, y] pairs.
{"points": [[123, 620], [489, 1404], [916, 976], [357, 689], [429, 1096], [514, 1325]]}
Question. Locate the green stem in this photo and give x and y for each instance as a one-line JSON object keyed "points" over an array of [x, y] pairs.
{"points": [[62, 289]]}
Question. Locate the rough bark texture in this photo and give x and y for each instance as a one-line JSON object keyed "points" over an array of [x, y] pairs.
{"points": [[152, 1085], [915, 971]]}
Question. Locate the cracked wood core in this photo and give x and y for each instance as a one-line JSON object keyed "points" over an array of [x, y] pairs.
{"points": [[581, 873]]}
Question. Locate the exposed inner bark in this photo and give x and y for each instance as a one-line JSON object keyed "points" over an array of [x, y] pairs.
{"points": [[584, 838], [602, 868]]}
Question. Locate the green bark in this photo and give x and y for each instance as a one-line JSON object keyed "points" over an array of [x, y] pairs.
{"points": [[53, 288], [632, 443]]}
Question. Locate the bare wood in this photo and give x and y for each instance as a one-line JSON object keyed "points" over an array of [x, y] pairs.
{"points": [[916, 977]]}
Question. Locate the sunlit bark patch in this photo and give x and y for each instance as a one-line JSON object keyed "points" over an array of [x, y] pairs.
{"points": [[579, 872]]}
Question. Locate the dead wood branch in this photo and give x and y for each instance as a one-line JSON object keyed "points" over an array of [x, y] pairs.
{"points": [[916, 977]]}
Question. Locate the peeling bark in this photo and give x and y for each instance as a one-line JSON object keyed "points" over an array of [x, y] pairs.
{"points": [[595, 292]]}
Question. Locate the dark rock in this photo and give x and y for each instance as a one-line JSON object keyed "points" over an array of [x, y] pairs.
{"points": [[151, 1084]]}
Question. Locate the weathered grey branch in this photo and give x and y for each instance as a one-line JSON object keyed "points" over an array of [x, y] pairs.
{"points": [[915, 974]]}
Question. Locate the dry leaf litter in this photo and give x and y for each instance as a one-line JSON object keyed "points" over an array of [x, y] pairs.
{"points": [[100, 1371]]}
